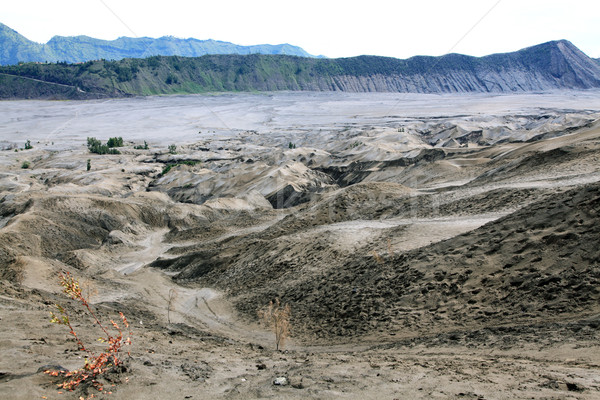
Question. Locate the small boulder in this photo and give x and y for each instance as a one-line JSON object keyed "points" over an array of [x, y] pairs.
{"points": [[280, 381]]}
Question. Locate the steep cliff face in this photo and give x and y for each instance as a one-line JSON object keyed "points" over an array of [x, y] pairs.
{"points": [[562, 64], [457, 82], [549, 66]]}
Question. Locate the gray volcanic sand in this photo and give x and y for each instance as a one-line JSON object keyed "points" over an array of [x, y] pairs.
{"points": [[429, 246]]}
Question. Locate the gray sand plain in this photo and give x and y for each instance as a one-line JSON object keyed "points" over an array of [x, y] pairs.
{"points": [[179, 118]]}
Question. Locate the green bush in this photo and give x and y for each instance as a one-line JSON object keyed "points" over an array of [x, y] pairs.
{"points": [[166, 169], [95, 146], [28, 145], [140, 147], [171, 80], [115, 142], [172, 149], [25, 165]]}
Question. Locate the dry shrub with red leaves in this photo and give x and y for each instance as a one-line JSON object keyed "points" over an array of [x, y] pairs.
{"points": [[95, 364]]}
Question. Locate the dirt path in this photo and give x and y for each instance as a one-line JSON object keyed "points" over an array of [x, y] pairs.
{"points": [[209, 309], [41, 81], [205, 308], [418, 232], [246, 231], [152, 248]]}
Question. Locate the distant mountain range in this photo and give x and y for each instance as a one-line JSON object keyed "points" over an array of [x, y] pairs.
{"points": [[15, 48], [553, 65]]}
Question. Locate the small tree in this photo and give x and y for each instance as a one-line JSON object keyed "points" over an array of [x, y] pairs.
{"points": [[28, 145], [171, 80], [95, 364], [93, 143], [89, 164], [115, 142], [278, 318], [172, 149], [172, 296]]}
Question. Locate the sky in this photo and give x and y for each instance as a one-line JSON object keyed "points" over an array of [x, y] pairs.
{"points": [[325, 27]]}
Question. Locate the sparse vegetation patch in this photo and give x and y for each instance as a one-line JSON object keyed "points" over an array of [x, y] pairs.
{"points": [[95, 146], [142, 147]]}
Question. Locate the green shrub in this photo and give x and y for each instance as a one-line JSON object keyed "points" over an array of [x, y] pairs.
{"points": [[172, 149], [28, 145], [167, 168], [140, 147], [171, 80], [95, 146], [115, 142], [25, 165]]}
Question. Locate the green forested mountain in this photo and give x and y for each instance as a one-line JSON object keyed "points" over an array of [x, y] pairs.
{"points": [[15, 48], [548, 66]]}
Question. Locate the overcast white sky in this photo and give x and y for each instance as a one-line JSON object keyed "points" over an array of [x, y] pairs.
{"points": [[329, 27]]}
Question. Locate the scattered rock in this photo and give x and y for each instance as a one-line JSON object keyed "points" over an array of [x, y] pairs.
{"points": [[280, 381], [298, 385], [199, 372], [561, 385]]}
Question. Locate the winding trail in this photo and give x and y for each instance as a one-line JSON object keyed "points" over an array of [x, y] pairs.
{"points": [[205, 308], [42, 81], [209, 309], [152, 248]]}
